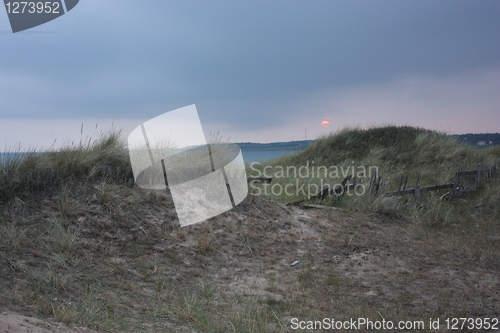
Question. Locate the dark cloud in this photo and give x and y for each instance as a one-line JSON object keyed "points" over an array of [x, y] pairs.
{"points": [[238, 61]]}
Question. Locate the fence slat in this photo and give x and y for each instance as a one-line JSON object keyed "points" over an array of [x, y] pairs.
{"points": [[39, 175], [478, 176], [29, 175], [118, 173], [49, 175], [416, 192], [404, 185]]}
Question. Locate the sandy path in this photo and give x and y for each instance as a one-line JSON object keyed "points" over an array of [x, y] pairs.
{"points": [[14, 323]]}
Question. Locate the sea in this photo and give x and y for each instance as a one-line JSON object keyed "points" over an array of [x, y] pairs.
{"points": [[248, 156], [13, 156], [264, 155]]}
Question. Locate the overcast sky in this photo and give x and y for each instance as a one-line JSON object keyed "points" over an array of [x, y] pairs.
{"points": [[259, 71]]}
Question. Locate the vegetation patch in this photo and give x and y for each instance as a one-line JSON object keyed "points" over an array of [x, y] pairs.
{"points": [[96, 253]]}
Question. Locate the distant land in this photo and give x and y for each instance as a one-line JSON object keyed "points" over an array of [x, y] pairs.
{"points": [[473, 139], [470, 138]]}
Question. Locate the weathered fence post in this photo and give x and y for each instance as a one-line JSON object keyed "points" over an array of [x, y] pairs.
{"points": [[57, 174], [371, 185], [38, 175], [129, 177], [29, 175], [125, 174], [118, 173], [478, 176], [380, 187], [455, 182], [403, 192], [49, 175], [374, 185], [416, 193], [462, 179], [400, 184], [20, 174]]}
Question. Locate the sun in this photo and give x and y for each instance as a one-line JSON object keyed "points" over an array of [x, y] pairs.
{"points": [[325, 123]]}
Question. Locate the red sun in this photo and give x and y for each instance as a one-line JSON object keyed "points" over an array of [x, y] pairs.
{"points": [[325, 123]]}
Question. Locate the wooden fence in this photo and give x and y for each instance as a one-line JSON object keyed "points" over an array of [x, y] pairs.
{"points": [[465, 181]]}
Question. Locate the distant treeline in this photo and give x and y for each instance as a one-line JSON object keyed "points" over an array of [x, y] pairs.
{"points": [[475, 138], [469, 138], [292, 145]]}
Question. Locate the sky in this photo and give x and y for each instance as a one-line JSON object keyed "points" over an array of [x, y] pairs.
{"points": [[258, 71]]}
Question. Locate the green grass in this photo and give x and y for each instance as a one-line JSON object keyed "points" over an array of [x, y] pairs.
{"points": [[84, 160], [392, 151]]}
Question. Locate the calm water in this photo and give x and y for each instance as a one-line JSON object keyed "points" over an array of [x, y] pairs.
{"points": [[255, 156], [248, 156], [12, 156]]}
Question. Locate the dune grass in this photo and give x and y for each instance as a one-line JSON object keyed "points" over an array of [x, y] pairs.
{"points": [[391, 151], [21, 168], [113, 258]]}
